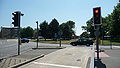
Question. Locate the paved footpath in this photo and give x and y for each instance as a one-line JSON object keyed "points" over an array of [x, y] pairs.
{"points": [[30, 54], [70, 57]]}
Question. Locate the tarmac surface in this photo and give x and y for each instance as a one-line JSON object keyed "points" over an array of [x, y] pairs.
{"points": [[110, 58]]}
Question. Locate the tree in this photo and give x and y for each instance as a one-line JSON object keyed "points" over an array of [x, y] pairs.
{"points": [[105, 28], [116, 22], [85, 34], [53, 28], [67, 29], [26, 32], [67, 32], [89, 28], [71, 24], [44, 29]]}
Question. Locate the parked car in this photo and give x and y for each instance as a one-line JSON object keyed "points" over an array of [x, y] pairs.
{"points": [[23, 40], [82, 41]]}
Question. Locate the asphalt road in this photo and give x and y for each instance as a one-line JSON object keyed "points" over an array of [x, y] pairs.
{"points": [[110, 58], [113, 61], [10, 47]]}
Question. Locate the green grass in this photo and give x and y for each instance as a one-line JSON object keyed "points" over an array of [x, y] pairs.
{"points": [[107, 42], [56, 42]]}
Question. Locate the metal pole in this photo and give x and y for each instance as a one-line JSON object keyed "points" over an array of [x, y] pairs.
{"points": [[19, 33], [110, 42], [60, 40], [37, 34], [97, 47], [97, 42], [19, 40]]}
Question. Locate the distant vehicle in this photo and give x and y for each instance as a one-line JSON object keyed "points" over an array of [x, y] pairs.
{"points": [[23, 40], [82, 41], [41, 37]]}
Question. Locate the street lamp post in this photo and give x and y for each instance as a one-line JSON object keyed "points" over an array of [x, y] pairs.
{"points": [[37, 34]]}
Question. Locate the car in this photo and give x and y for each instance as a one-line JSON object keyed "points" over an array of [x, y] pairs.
{"points": [[82, 41], [23, 40]]}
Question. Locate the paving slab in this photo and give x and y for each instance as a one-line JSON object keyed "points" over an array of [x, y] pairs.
{"points": [[70, 57]]}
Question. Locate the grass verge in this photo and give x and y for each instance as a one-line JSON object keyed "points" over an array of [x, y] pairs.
{"points": [[56, 42]]}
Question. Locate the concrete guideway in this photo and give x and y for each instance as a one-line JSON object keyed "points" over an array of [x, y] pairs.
{"points": [[70, 57]]}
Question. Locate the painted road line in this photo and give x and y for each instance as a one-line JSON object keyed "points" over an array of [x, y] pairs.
{"points": [[116, 46], [102, 54], [56, 65]]}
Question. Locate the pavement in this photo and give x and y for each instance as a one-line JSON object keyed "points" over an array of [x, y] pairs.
{"points": [[25, 56], [70, 57]]}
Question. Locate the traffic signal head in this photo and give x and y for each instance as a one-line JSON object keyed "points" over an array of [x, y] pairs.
{"points": [[16, 19], [97, 16]]}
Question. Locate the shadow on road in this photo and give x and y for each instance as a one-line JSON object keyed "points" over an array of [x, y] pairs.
{"points": [[99, 64]]}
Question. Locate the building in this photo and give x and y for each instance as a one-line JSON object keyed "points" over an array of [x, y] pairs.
{"points": [[9, 32]]}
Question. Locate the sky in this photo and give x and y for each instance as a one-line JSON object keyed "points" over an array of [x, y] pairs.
{"points": [[78, 11]]}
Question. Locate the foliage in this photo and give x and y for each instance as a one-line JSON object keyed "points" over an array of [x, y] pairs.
{"points": [[53, 28], [110, 24], [26, 32], [44, 29], [85, 34], [67, 29], [116, 22]]}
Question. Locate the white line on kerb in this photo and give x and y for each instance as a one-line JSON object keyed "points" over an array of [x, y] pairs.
{"points": [[57, 65]]}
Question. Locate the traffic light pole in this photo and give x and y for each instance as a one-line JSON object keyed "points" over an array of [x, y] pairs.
{"points": [[97, 33], [19, 14], [97, 22], [60, 40], [97, 46], [37, 34], [16, 23], [19, 40]]}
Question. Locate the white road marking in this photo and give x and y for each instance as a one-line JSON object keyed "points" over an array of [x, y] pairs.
{"points": [[57, 65], [116, 46], [102, 54]]}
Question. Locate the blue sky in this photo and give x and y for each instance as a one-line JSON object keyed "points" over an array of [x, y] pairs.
{"points": [[78, 11]]}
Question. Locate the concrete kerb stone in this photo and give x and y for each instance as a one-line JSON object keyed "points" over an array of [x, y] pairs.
{"points": [[92, 57], [49, 48], [7, 57], [28, 61]]}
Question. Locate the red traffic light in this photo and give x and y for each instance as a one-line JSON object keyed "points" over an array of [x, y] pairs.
{"points": [[97, 15], [96, 11]]}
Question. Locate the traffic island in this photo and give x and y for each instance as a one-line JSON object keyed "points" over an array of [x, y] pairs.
{"points": [[70, 57]]}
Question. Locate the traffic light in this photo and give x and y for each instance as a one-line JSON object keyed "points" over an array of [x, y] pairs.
{"points": [[97, 16], [16, 19]]}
